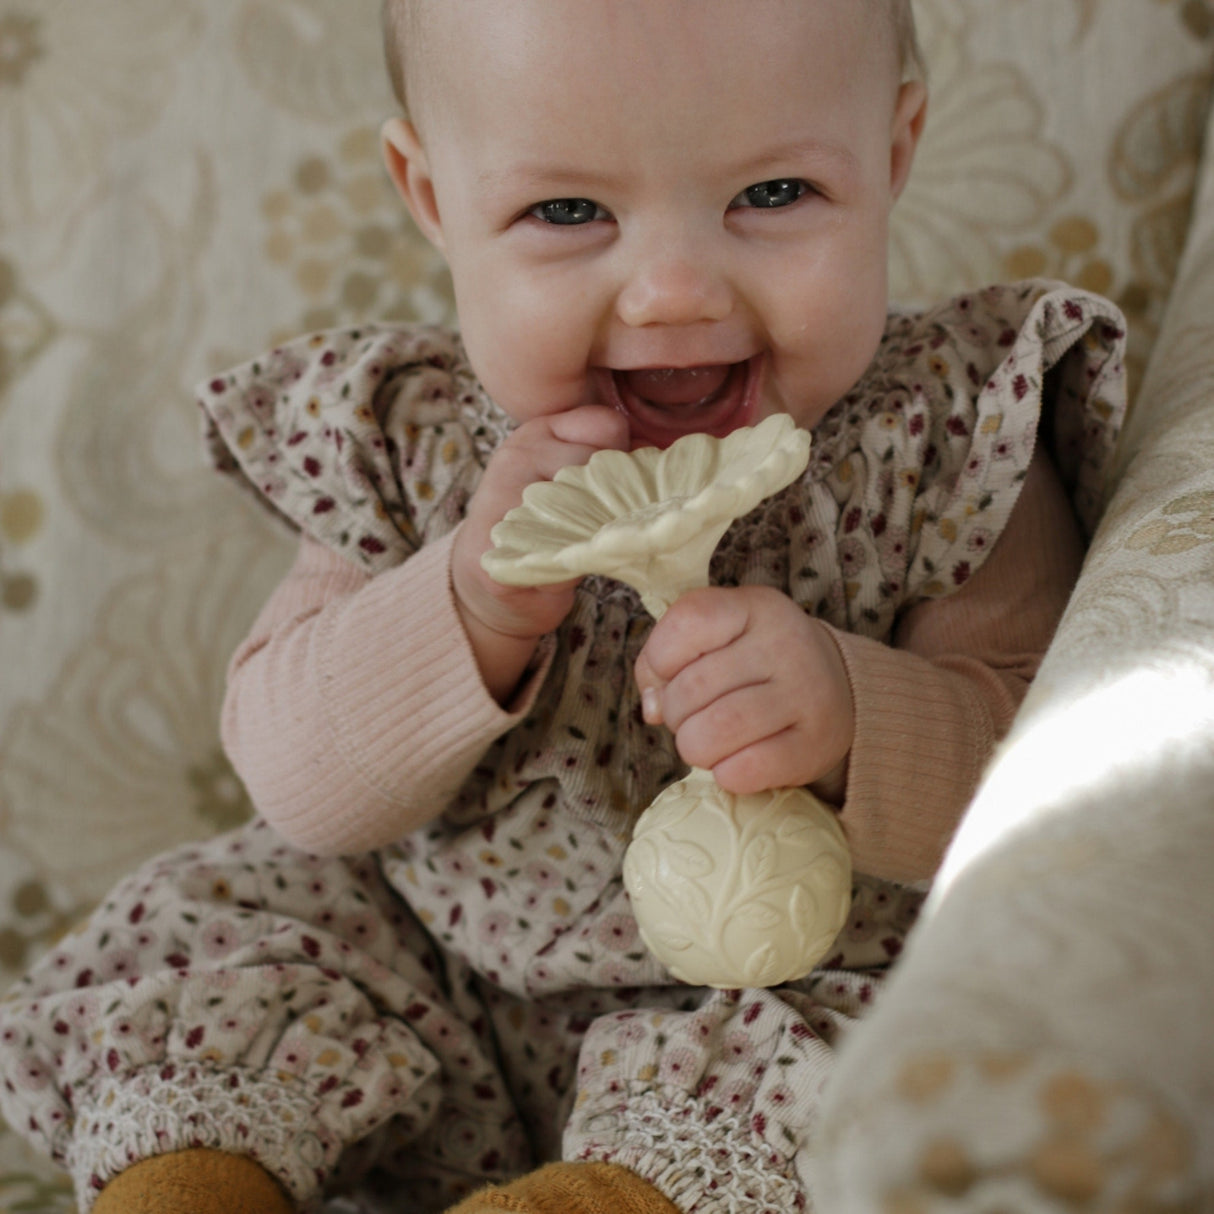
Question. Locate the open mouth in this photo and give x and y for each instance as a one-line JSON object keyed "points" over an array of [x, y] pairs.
{"points": [[664, 403]]}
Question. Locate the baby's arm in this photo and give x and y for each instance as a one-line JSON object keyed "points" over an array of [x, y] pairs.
{"points": [[898, 736], [358, 706], [355, 708]]}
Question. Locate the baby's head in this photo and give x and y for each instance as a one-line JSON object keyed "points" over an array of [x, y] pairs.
{"points": [[403, 35], [678, 208]]}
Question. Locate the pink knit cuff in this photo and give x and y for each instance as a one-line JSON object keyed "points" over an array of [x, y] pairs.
{"points": [[923, 736]]}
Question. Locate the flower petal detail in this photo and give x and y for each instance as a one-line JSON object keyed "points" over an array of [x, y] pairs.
{"points": [[651, 517]]}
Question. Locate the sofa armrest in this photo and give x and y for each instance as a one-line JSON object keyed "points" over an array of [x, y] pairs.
{"points": [[1058, 986]]}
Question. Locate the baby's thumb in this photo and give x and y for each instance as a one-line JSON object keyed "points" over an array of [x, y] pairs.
{"points": [[593, 426], [650, 687]]}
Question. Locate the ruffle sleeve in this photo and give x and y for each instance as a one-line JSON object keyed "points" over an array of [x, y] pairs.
{"points": [[368, 439], [914, 474]]}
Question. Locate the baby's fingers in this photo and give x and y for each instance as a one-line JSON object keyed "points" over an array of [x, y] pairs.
{"points": [[537, 451], [651, 687], [700, 622], [777, 761], [708, 680], [592, 427], [729, 725], [542, 447]]}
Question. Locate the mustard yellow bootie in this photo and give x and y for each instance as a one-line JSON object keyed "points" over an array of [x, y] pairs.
{"points": [[214, 1182], [194, 1182], [571, 1188]]}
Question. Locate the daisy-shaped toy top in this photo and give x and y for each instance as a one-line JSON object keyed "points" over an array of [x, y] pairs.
{"points": [[650, 518]]}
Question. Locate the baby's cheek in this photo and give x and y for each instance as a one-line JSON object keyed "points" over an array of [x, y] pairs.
{"points": [[532, 357]]}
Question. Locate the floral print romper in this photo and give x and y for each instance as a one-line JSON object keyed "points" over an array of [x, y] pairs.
{"points": [[473, 1000]]}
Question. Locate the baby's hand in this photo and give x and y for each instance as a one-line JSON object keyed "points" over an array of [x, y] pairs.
{"points": [[504, 622], [752, 688]]}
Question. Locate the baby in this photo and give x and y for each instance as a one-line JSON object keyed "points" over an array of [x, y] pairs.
{"points": [[416, 974]]}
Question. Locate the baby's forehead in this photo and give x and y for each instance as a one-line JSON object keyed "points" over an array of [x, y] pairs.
{"points": [[426, 36], [412, 17]]}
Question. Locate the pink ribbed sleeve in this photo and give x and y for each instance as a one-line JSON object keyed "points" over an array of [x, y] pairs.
{"points": [[355, 709], [930, 709]]}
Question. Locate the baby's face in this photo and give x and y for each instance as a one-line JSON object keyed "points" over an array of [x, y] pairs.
{"points": [[674, 207]]}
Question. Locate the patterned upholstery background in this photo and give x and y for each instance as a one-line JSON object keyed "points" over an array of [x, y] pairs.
{"points": [[181, 184]]}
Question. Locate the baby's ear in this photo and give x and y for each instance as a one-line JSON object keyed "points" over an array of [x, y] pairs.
{"points": [[409, 169], [910, 114]]}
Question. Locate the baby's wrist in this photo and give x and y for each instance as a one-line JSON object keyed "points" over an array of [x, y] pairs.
{"points": [[501, 657], [832, 787]]}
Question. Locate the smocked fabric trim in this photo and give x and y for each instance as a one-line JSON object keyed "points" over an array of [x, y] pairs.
{"points": [[131, 1116], [704, 1165]]}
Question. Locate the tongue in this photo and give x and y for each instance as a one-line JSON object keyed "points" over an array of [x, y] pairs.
{"points": [[676, 385]]}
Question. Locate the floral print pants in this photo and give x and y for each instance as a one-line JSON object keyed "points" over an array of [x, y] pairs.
{"points": [[240, 995], [243, 996]]}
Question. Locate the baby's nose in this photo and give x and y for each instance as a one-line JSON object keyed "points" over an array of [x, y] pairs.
{"points": [[674, 290]]}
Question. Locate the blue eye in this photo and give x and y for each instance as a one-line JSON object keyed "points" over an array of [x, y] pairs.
{"points": [[770, 194], [568, 212]]}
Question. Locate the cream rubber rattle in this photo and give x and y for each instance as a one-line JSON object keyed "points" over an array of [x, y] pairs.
{"points": [[728, 891]]}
